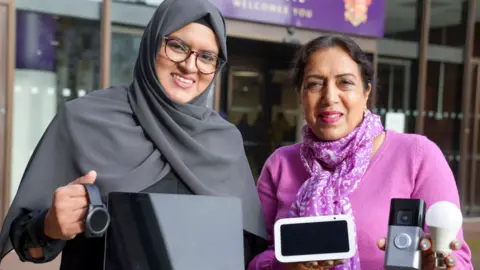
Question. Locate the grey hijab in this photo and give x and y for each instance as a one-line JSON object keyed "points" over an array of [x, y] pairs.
{"points": [[134, 136]]}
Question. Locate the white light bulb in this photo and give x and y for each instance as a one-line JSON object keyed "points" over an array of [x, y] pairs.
{"points": [[444, 220]]}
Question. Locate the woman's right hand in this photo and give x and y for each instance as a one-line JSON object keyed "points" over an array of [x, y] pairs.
{"points": [[314, 265], [64, 219]]}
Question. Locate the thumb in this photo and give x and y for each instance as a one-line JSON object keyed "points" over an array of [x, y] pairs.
{"points": [[88, 178], [381, 243]]}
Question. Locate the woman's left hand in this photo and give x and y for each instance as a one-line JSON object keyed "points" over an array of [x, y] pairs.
{"points": [[428, 259]]}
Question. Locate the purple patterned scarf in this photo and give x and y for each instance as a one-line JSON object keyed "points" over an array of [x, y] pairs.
{"points": [[335, 170]]}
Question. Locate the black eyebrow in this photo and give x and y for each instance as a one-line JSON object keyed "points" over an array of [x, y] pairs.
{"points": [[316, 76], [346, 74], [188, 45]]}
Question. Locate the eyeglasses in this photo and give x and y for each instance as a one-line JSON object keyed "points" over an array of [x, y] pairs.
{"points": [[177, 51]]}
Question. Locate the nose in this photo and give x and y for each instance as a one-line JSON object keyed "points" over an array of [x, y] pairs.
{"points": [[190, 63], [330, 96]]}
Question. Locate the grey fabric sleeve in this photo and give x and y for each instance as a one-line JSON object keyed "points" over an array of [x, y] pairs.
{"points": [[27, 232]]}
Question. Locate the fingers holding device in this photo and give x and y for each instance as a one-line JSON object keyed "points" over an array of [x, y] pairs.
{"points": [[405, 231]]}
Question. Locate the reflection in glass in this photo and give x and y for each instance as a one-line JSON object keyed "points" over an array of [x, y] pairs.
{"points": [[443, 105], [285, 110], [397, 73], [125, 48], [263, 135], [262, 101], [193, 232], [448, 23], [443, 109], [56, 61], [395, 93], [401, 20], [247, 113]]}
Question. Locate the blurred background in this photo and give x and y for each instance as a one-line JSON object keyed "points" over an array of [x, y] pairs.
{"points": [[426, 55]]}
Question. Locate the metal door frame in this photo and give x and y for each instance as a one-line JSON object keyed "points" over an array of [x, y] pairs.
{"points": [[472, 179], [7, 58], [466, 102]]}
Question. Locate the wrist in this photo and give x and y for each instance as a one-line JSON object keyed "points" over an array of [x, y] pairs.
{"points": [[39, 230], [46, 227]]}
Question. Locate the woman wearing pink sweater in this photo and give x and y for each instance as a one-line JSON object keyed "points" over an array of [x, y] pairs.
{"points": [[348, 164]]}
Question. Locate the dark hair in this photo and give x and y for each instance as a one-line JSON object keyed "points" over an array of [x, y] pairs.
{"points": [[324, 42]]}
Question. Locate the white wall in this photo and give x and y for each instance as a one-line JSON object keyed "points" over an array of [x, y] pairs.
{"points": [[34, 106]]}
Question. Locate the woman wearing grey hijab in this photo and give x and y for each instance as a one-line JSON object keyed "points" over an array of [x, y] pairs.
{"points": [[156, 135]]}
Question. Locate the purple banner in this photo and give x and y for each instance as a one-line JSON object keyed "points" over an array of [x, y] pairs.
{"points": [[35, 47], [357, 17]]}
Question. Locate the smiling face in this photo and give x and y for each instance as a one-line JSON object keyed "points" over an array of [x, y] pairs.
{"points": [[183, 81], [332, 94]]}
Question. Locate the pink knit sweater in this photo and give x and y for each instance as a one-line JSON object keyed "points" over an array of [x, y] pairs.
{"points": [[405, 166]]}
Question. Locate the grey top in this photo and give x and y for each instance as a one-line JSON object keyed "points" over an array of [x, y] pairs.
{"points": [[28, 230], [134, 136]]}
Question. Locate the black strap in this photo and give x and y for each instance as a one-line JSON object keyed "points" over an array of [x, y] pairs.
{"points": [[94, 195]]}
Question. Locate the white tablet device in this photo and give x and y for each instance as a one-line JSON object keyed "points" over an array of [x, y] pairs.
{"points": [[319, 238]]}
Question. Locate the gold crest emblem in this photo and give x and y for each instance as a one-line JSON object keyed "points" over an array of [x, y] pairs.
{"points": [[356, 11]]}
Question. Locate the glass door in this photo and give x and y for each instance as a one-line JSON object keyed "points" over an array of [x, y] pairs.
{"points": [[258, 97], [245, 110], [124, 52], [394, 95]]}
